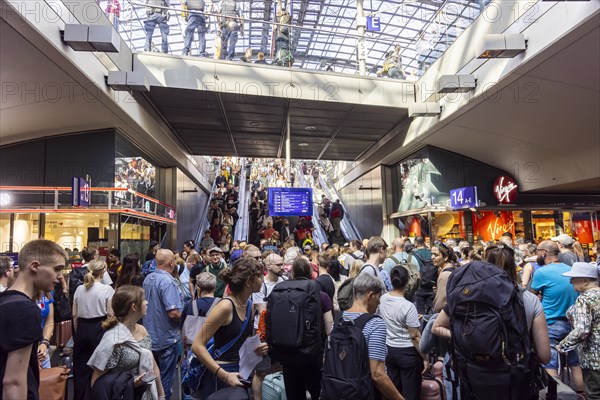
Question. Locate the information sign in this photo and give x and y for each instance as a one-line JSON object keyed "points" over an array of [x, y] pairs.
{"points": [[465, 197], [81, 193], [373, 24], [290, 202]]}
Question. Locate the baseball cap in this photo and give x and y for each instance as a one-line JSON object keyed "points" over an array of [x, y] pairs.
{"points": [[153, 243], [215, 248], [273, 259], [307, 247], [563, 239], [582, 270]]}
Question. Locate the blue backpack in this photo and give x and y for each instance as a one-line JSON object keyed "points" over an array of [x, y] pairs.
{"points": [[193, 370], [149, 267]]}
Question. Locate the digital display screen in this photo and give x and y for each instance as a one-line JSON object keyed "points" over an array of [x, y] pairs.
{"points": [[290, 202]]}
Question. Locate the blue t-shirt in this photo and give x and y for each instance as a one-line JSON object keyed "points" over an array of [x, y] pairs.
{"points": [[557, 292], [44, 305], [162, 294]]}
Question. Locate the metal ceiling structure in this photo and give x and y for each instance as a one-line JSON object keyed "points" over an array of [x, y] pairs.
{"points": [[326, 30]]}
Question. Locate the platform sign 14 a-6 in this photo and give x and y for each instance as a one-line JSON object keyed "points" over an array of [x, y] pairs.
{"points": [[465, 197]]}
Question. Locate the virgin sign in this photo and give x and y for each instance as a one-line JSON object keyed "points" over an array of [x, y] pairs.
{"points": [[505, 189]]}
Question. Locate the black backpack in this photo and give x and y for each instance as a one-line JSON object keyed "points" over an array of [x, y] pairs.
{"points": [[346, 371], [429, 273], [489, 329], [75, 280], [295, 322]]}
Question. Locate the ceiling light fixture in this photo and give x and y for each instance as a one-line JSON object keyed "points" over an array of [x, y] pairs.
{"points": [[501, 46], [254, 123], [303, 144], [310, 128]]}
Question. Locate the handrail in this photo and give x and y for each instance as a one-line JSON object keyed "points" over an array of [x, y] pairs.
{"points": [[241, 228], [205, 222], [349, 229]]}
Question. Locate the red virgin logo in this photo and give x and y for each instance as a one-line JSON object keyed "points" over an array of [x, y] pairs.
{"points": [[505, 189]]}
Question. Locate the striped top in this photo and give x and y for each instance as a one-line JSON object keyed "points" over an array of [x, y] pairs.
{"points": [[375, 334]]}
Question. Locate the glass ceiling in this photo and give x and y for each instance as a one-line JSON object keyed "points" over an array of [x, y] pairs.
{"points": [[326, 33]]}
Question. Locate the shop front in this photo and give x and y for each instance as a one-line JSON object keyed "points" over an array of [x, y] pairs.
{"points": [[127, 222], [439, 197]]}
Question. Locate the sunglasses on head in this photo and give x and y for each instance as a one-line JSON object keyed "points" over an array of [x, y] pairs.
{"points": [[443, 245]]}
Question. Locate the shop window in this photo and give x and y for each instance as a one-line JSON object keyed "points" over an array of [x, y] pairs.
{"points": [[78, 230], [26, 228], [137, 174], [544, 225], [448, 225], [490, 225]]}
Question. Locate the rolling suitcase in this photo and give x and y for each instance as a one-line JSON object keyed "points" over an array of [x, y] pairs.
{"points": [[63, 332], [432, 385], [273, 387]]}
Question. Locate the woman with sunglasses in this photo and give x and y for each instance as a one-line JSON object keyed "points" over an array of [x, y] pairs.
{"points": [[445, 259]]}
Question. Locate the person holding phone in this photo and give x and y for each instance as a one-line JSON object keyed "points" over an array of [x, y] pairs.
{"points": [[126, 346]]}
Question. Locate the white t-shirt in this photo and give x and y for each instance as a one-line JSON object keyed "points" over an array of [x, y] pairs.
{"points": [[260, 296], [92, 302], [105, 278], [399, 314]]}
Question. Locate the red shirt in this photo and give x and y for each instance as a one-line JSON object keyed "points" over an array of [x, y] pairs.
{"points": [[268, 232]]}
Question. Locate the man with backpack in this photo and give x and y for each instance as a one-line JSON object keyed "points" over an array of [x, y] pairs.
{"points": [[355, 252], [296, 332], [410, 263], [356, 350], [429, 274], [76, 276], [497, 339]]}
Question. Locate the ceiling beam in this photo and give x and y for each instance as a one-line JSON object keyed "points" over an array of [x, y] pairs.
{"points": [[284, 129], [334, 134]]}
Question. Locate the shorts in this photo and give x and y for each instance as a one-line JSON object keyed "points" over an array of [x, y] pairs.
{"points": [[557, 332], [264, 365]]}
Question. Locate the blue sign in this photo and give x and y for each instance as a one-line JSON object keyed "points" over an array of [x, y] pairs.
{"points": [[464, 197], [80, 192], [290, 202], [373, 24]]}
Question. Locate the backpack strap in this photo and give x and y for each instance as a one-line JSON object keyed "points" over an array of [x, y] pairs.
{"points": [[363, 319], [368, 265], [395, 260], [219, 352], [195, 306]]}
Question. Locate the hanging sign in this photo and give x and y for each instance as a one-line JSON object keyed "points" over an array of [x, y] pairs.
{"points": [[505, 189]]}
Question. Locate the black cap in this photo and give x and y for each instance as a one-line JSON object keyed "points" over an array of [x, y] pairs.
{"points": [[153, 243]]}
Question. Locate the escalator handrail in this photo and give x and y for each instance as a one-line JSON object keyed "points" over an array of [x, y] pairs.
{"points": [[205, 222], [241, 228], [328, 187], [320, 237]]}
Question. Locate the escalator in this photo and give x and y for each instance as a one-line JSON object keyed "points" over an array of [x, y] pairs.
{"points": [[347, 226], [205, 222], [319, 235]]}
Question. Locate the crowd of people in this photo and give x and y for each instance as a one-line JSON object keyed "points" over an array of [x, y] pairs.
{"points": [[406, 325], [136, 174]]}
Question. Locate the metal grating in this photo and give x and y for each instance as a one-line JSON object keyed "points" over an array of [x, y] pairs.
{"points": [[424, 28]]}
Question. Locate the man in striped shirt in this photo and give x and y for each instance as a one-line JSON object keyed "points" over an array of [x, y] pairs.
{"points": [[367, 293]]}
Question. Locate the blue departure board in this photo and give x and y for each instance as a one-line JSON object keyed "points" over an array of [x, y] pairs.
{"points": [[290, 202]]}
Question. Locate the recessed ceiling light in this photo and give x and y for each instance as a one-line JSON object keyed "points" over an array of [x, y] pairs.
{"points": [[254, 123], [310, 128], [303, 144]]}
